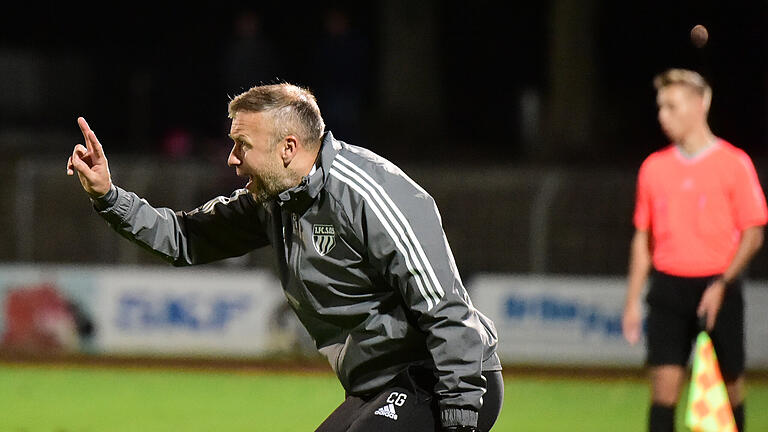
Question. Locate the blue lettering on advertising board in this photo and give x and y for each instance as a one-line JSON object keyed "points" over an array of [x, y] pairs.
{"points": [[558, 310], [141, 311]]}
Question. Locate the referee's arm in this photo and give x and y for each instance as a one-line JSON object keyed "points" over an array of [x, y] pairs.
{"points": [[640, 261], [639, 268], [750, 242]]}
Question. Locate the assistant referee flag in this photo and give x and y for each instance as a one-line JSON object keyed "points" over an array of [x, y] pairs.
{"points": [[708, 407]]}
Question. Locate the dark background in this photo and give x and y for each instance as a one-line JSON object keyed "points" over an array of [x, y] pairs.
{"points": [[144, 73], [526, 121]]}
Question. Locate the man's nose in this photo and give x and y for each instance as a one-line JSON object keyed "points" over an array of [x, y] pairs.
{"points": [[233, 159]]}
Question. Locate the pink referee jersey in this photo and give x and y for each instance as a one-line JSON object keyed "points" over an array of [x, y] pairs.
{"points": [[696, 207]]}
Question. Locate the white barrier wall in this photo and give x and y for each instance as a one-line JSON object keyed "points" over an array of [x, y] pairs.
{"points": [[577, 320], [541, 320], [185, 312], [149, 310]]}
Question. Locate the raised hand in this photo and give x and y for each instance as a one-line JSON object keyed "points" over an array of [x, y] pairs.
{"points": [[90, 163]]}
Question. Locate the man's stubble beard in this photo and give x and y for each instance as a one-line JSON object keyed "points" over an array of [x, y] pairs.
{"points": [[272, 183]]}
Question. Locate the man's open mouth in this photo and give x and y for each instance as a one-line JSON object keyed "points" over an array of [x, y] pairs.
{"points": [[245, 176]]}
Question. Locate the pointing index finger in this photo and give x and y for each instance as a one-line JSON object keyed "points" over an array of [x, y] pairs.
{"points": [[96, 148], [84, 128], [93, 144]]}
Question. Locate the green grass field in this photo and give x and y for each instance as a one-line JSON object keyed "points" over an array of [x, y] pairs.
{"points": [[82, 399]]}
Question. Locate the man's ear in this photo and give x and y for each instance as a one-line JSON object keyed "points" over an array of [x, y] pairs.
{"points": [[707, 100], [289, 148]]}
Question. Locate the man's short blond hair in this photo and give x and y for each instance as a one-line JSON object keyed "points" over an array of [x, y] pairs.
{"points": [[293, 110], [685, 77]]}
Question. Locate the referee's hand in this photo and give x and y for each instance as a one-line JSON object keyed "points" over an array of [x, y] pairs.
{"points": [[90, 163], [631, 322], [711, 301]]}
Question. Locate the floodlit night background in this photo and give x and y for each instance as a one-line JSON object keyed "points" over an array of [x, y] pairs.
{"points": [[527, 121]]}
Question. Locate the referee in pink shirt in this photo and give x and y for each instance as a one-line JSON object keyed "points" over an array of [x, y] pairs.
{"points": [[699, 217]]}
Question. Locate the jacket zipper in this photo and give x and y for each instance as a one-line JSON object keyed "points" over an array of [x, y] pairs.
{"points": [[296, 243]]}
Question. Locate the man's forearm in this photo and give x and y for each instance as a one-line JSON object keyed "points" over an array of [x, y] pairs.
{"points": [[156, 229], [751, 242], [639, 266]]}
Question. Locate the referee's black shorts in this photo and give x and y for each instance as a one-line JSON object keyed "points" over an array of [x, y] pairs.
{"points": [[672, 323], [408, 404]]}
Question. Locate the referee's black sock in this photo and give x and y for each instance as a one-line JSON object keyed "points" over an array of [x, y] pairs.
{"points": [[661, 418], [738, 415]]}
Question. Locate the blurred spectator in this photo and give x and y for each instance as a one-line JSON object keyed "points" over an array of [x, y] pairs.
{"points": [[341, 74], [250, 57]]}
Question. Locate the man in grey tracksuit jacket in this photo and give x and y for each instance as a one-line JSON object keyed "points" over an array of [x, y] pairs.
{"points": [[364, 263]]}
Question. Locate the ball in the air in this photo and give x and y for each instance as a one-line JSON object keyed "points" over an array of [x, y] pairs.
{"points": [[699, 35]]}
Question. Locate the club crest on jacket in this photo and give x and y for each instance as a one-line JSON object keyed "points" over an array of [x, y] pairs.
{"points": [[324, 238]]}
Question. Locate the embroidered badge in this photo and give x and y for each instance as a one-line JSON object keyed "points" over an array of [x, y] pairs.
{"points": [[324, 238]]}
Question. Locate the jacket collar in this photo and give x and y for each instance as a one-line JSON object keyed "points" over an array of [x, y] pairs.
{"points": [[298, 199]]}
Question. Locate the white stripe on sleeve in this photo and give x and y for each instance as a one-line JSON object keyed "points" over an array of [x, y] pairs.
{"points": [[341, 173], [403, 220]]}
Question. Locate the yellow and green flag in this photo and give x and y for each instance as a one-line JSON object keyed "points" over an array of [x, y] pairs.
{"points": [[708, 407]]}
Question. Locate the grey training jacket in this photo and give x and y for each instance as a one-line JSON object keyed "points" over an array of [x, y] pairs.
{"points": [[363, 260]]}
